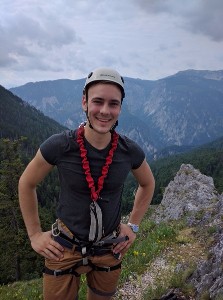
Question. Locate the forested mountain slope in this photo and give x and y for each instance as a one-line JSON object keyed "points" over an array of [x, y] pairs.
{"points": [[18, 118]]}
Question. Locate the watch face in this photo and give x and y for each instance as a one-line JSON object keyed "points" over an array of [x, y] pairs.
{"points": [[135, 228]]}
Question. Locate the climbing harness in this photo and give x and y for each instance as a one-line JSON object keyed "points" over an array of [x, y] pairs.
{"points": [[64, 237]]}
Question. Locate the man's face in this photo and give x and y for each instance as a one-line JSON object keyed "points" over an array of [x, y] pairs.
{"points": [[103, 105]]}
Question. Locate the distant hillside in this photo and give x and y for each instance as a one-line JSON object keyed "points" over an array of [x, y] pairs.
{"points": [[184, 109], [207, 158], [18, 118]]}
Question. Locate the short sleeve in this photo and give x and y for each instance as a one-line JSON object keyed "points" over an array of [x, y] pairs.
{"points": [[52, 148], [134, 151], [137, 156]]}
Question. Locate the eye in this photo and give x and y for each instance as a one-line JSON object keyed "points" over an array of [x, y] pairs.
{"points": [[97, 101], [115, 103]]}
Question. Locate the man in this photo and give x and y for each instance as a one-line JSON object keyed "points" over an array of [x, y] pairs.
{"points": [[93, 162]]}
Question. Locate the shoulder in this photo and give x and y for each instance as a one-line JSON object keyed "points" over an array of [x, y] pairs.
{"points": [[57, 144], [58, 139], [134, 151], [128, 143]]}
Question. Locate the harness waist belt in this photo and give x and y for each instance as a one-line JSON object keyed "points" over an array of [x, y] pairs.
{"points": [[66, 241]]}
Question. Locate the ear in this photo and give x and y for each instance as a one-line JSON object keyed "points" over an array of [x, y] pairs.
{"points": [[84, 103]]}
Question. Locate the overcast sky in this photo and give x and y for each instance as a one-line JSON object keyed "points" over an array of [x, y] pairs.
{"points": [[147, 39]]}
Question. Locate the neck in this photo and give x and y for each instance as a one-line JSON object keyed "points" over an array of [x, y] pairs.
{"points": [[97, 140]]}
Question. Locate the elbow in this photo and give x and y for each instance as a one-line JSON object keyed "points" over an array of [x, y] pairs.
{"points": [[21, 183], [153, 183], [21, 186], [150, 184], [24, 184]]}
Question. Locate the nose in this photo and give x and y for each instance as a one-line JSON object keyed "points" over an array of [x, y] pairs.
{"points": [[104, 109]]}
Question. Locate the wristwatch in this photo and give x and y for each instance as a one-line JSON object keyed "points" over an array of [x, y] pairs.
{"points": [[134, 227]]}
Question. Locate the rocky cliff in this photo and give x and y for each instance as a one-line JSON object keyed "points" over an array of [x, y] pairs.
{"points": [[192, 203], [193, 196]]}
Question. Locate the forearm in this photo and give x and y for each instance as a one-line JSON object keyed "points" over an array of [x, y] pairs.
{"points": [[41, 242], [29, 208], [34, 173], [144, 192], [142, 201]]}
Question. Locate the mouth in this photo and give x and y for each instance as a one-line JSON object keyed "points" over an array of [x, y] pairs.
{"points": [[103, 120]]}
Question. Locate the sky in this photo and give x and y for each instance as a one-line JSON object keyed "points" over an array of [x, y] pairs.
{"points": [[147, 39]]}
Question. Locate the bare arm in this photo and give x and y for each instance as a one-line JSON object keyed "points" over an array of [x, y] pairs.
{"points": [[34, 173], [144, 193], [143, 198]]}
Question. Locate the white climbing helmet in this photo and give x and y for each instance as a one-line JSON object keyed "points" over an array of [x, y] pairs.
{"points": [[105, 74]]}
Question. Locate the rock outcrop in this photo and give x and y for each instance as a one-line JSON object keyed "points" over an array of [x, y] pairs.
{"points": [[193, 195], [189, 193]]}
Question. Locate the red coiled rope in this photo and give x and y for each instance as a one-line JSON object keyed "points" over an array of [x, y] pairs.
{"points": [[86, 167]]}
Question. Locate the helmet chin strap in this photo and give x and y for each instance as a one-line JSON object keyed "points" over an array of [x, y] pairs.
{"points": [[114, 126], [90, 125]]}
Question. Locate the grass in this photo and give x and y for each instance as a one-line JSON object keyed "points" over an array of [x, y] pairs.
{"points": [[26, 290], [152, 241], [183, 256]]}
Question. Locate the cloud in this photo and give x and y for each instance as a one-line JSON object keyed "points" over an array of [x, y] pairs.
{"points": [[25, 35], [207, 19], [148, 39], [200, 16]]}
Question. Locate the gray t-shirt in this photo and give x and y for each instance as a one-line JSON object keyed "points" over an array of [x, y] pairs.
{"points": [[62, 150]]}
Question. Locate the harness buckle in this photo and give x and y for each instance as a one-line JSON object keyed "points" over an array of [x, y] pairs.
{"points": [[55, 230], [100, 243], [57, 272], [107, 269]]}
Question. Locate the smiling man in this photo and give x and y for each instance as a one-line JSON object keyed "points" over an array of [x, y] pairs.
{"points": [[93, 162]]}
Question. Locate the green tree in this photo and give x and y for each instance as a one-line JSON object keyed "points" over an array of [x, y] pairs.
{"points": [[12, 230], [18, 261]]}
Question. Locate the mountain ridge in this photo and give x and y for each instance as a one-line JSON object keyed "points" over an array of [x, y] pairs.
{"points": [[181, 109]]}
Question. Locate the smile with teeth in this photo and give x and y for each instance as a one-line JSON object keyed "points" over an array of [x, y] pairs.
{"points": [[103, 120]]}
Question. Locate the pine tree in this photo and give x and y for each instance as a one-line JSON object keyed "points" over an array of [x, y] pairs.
{"points": [[12, 229]]}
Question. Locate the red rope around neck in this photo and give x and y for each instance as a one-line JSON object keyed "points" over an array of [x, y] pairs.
{"points": [[86, 167]]}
